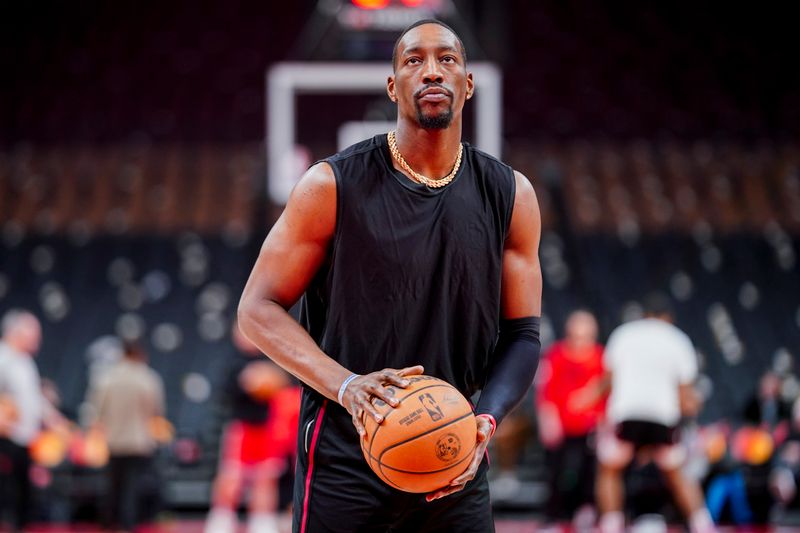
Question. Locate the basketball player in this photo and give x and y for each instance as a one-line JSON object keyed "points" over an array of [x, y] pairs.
{"points": [[652, 365], [416, 253]]}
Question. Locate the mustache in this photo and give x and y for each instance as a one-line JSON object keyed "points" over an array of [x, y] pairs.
{"points": [[427, 86]]}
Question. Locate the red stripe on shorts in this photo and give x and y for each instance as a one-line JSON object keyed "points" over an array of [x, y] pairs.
{"points": [[311, 450]]}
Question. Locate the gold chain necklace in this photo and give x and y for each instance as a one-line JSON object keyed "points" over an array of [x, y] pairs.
{"points": [[416, 175]]}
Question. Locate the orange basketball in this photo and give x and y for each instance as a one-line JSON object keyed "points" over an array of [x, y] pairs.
{"points": [[48, 449], [752, 445], [426, 441]]}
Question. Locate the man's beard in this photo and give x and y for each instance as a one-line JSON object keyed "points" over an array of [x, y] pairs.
{"points": [[434, 122]]}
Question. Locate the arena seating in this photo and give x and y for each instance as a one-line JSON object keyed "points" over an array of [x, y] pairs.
{"points": [[715, 225], [196, 72], [132, 201], [158, 240]]}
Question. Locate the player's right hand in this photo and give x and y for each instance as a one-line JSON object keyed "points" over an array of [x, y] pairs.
{"points": [[360, 393]]}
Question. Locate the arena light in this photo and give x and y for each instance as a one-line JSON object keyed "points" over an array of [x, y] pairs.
{"points": [[371, 4], [381, 4], [390, 15]]}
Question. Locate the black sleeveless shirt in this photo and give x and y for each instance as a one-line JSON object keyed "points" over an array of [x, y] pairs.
{"points": [[413, 274]]}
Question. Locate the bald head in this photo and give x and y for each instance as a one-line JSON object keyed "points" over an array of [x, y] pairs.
{"points": [[581, 329], [22, 331]]}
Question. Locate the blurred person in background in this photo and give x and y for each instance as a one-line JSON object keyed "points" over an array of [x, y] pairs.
{"points": [[126, 401], [652, 366], [508, 445], [22, 412], [256, 442], [747, 483], [570, 401], [785, 471], [766, 408]]}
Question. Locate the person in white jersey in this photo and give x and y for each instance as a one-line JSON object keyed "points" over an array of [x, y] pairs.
{"points": [[651, 367], [20, 385]]}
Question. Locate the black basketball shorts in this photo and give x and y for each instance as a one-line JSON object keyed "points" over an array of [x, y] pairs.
{"points": [[336, 491], [642, 433]]}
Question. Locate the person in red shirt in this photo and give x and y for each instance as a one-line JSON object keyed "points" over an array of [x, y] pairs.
{"points": [[570, 401], [258, 442]]}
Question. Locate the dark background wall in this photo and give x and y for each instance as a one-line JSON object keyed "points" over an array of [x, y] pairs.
{"points": [[189, 71]]}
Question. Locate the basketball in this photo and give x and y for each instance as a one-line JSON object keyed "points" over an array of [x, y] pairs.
{"points": [[426, 441], [48, 449], [752, 445]]}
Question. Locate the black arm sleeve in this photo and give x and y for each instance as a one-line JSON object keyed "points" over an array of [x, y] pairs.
{"points": [[512, 368]]}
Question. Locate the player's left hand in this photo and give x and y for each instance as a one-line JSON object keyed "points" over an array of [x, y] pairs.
{"points": [[484, 434]]}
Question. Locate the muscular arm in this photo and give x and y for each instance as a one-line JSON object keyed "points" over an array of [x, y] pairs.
{"points": [[522, 276], [517, 353], [516, 356], [291, 255]]}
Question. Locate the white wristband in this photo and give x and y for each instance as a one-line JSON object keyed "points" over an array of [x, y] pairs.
{"points": [[345, 383], [491, 420]]}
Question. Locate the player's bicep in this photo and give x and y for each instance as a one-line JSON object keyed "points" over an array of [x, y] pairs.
{"points": [[298, 243], [522, 275]]}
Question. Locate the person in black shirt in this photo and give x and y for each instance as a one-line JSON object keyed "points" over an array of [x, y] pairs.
{"points": [[401, 274], [766, 407]]}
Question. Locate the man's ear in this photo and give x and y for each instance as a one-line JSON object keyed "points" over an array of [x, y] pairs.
{"points": [[470, 85], [390, 89]]}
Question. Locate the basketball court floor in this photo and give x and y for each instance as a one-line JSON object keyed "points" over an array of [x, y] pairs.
{"points": [[503, 526]]}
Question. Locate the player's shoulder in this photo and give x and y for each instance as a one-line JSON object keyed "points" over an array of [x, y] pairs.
{"points": [[322, 173], [514, 180], [346, 164], [318, 183], [488, 162], [312, 205], [356, 150], [524, 192]]}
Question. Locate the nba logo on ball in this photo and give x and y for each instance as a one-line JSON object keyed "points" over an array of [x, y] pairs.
{"points": [[430, 405], [426, 441]]}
